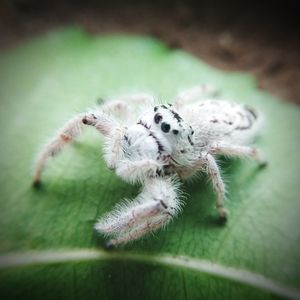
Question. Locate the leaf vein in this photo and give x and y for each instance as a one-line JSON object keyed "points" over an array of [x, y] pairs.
{"points": [[23, 259]]}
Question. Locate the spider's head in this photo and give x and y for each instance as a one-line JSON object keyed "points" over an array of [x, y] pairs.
{"points": [[167, 122]]}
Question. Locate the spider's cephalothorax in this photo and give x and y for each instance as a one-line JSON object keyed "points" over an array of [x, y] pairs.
{"points": [[174, 137], [157, 145]]}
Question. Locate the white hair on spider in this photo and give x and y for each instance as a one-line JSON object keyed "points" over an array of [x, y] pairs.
{"points": [[158, 145]]}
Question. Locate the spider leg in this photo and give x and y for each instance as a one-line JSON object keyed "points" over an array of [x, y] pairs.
{"points": [[217, 182], [213, 170], [69, 132], [115, 107], [153, 208], [200, 91], [138, 99], [124, 106], [240, 151]]}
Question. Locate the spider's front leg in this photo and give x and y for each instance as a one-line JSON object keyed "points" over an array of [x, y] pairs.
{"points": [[72, 129], [153, 208]]}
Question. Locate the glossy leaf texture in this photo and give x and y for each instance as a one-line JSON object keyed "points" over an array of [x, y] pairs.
{"points": [[50, 78]]}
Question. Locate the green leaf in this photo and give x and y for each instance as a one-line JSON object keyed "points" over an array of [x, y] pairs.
{"points": [[49, 249]]}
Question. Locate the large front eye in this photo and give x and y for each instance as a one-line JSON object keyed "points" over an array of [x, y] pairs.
{"points": [[157, 118], [165, 127], [175, 131]]}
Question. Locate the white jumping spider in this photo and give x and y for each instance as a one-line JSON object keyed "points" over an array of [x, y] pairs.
{"points": [[156, 145]]}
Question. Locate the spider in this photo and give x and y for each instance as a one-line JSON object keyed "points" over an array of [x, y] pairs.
{"points": [[158, 145]]}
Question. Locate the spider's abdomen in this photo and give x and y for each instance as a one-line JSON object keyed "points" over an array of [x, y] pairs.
{"points": [[222, 121]]}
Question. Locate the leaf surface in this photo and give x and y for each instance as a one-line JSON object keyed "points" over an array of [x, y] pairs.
{"points": [[47, 80]]}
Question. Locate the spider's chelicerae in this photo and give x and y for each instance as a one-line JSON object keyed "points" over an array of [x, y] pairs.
{"points": [[159, 145]]}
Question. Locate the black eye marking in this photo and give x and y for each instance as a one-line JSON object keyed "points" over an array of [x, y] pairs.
{"points": [[163, 106], [157, 118], [175, 131], [170, 104], [193, 132], [155, 108], [165, 127]]}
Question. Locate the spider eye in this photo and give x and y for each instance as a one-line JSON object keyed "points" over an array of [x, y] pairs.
{"points": [[175, 131], [157, 118], [192, 132], [165, 127], [155, 108]]}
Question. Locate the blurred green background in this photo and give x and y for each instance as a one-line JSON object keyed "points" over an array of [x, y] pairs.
{"points": [[46, 78]]}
